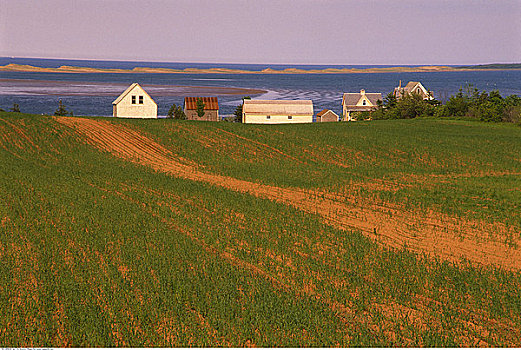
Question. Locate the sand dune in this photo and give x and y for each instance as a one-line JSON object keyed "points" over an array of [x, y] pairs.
{"points": [[71, 69]]}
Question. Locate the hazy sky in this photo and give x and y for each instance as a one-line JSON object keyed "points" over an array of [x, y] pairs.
{"points": [[265, 31]]}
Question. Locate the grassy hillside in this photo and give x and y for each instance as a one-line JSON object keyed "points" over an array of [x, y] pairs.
{"points": [[461, 168], [102, 247]]}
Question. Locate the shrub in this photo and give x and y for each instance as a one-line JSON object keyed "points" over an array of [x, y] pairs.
{"points": [[512, 114], [238, 111], [378, 114], [176, 112], [441, 111], [16, 108]]}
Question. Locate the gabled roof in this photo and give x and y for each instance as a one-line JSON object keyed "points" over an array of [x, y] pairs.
{"points": [[351, 99], [278, 107], [324, 111], [127, 91], [411, 85], [210, 103], [410, 88]]}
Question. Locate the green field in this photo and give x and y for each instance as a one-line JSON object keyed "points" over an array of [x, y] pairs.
{"points": [[97, 250]]}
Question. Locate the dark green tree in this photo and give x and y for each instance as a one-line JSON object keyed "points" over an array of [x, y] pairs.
{"points": [[176, 112], [200, 107], [179, 113], [413, 106], [238, 111], [16, 108], [390, 100], [62, 110], [458, 104], [171, 111]]}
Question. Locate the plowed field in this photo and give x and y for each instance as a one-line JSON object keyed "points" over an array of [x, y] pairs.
{"points": [[163, 233], [436, 234]]}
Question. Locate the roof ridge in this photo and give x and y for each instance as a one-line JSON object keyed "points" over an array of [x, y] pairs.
{"points": [[125, 93]]}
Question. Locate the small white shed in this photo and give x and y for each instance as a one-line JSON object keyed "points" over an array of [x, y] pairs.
{"points": [[134, 102]]}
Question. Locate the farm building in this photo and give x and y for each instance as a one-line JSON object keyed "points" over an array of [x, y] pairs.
{"points": [[412, 87], [134, 102], [354, 103], [327, 115], [277, 111], [211, 108]]}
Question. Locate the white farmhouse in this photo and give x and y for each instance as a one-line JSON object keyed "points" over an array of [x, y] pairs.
{"points": [[354, 103], [277, 111], [412, 87], [134, 102]]}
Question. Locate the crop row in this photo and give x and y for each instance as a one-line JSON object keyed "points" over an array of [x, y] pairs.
{"points": [[101, 252]]}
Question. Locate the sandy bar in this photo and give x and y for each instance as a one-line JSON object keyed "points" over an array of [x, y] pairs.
{"points": [[71, 69]]}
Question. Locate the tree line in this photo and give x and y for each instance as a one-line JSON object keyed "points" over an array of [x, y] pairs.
{"points": [[467, 103]]}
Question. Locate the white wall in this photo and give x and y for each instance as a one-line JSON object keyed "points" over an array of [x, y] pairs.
{"points": [[275, 119], [125, 108]]}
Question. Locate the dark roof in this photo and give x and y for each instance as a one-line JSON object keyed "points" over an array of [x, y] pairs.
{"points": [[410, 85], [351, 99], [210, 103]]}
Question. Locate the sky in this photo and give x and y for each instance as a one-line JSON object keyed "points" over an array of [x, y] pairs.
{"points": [[349, 32]]}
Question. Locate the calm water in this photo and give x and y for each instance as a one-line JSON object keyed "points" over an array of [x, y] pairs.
{"points": [[324, 89]]}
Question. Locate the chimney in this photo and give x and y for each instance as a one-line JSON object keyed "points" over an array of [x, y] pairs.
{"points": [[362, 92]]}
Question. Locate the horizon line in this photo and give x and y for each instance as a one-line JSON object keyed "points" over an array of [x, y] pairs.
{"points": [[251, 63]]}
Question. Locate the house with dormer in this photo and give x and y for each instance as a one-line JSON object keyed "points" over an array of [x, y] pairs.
{"points": [[412, 87], [353, 104]]}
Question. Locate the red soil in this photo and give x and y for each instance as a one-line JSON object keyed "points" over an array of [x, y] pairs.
{"points": [[434, 233], [18, 133], [424, 314]]}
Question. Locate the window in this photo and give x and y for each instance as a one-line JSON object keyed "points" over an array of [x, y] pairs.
{"points": [[133, 99], [140, 100], [290, 117], [364, 102], [268, 117]]}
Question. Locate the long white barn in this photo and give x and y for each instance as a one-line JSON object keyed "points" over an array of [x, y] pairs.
{"points": [[277, 111], [134, 102]]}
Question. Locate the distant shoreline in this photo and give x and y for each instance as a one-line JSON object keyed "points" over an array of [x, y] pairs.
{"points": [[12, 67]]}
